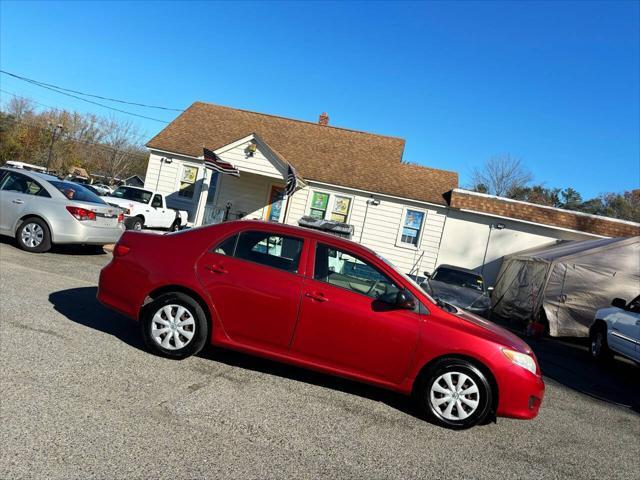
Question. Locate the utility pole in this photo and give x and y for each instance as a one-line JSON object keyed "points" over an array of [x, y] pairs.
{"points": [[58, 128], [496, 226]]}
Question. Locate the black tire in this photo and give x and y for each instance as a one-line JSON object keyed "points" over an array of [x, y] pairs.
{"points": [[175, 226], [134, 223], [471, 415], [598, 346], [199, 330], [33, 235]]}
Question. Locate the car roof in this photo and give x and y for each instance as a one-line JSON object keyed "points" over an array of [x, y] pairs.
{"points": [[308, 232], [31, 173], [460, 269]]}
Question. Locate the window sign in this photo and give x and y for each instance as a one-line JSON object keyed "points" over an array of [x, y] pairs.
{"points": [[341, 207], [412, 227], [319, 204], [188, 181]]}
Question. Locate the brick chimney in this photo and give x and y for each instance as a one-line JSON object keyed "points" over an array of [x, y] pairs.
{"points": [[324, 119]]}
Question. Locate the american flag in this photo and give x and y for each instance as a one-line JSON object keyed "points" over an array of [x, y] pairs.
{"points": [[292, 181], [213, 162]]}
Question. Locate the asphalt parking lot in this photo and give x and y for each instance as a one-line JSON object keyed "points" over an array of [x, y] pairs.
{"points": [[80, 398]]}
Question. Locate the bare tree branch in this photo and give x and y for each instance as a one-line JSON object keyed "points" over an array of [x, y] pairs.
{"points": [[500, 175]]}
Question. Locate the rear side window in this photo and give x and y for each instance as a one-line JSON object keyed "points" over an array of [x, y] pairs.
{"points": [[75, 191], [269, 249], [16, 182], [227, 247]]}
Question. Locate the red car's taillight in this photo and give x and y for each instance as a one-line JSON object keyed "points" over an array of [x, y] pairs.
{"points": [[81, 214], [121, 218], [120, 250]]}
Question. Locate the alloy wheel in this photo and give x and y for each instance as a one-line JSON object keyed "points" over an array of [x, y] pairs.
{"points": [[173, 327], [32, 235], [454, 396]]}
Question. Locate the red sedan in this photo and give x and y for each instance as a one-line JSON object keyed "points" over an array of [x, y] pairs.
{"points": [[321, 302]]}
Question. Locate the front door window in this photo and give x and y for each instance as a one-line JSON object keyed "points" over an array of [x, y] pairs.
{"points": [[276, 202]]}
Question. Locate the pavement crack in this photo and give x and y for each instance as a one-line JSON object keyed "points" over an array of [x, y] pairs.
{"points": [[38, 330]]}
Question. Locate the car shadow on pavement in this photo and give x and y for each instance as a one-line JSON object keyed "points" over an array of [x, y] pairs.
{"points": [[81, 306], [63, 249], [568, 362], [234, 358]]}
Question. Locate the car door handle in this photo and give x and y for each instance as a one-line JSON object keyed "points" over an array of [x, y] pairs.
{"points": [[216, 269], [318, 297], [18, 201]]}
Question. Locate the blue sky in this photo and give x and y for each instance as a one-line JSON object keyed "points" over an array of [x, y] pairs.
{"points": [[556, 84]]}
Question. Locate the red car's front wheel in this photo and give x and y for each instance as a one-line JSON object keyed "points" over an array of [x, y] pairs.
{"points": [[454, 393]]}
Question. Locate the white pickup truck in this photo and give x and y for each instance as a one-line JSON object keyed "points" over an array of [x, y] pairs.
{"points": [[146, 209]]}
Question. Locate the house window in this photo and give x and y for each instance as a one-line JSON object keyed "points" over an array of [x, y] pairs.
{"points": [[340, 210], [188, 181], [319, 203], [411, 227], [330, 207]]}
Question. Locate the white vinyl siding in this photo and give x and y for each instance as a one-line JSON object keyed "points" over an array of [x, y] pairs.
{"points": [[382, 225], [261, 163]]}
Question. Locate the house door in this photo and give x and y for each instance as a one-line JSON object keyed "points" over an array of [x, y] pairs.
{"points": [[276, 204], [212, 214]]}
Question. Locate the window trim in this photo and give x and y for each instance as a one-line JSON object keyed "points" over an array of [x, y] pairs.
{"points": [[161, 202], [356, 256], [301, 267], [43, 192], [331, 202], [411, 246], [195, 197]]}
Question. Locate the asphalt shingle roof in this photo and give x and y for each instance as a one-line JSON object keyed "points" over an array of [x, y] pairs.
{"points": [[325, 154]]}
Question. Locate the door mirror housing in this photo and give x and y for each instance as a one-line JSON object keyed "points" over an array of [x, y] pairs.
{"points": [[619, 303], [405, 301]]}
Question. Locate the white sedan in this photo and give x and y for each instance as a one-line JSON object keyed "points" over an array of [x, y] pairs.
{"points": [[617, 330]]}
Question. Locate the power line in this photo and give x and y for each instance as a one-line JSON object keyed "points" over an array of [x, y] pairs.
{"points": [[15, 95], [54, 89], [40, 83]]}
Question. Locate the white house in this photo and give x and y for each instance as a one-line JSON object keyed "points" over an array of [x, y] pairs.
{"points": [[412, 215]]}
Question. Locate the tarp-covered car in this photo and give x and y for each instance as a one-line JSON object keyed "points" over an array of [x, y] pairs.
{"points": [[567, 283]]}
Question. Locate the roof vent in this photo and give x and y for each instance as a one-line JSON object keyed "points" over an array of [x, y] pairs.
{"points": [[323, 119]]}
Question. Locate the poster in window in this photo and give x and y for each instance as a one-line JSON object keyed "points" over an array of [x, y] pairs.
{"points": [[320, 201], [317, 213], [342, 205], [414, 219], [189, 174]]}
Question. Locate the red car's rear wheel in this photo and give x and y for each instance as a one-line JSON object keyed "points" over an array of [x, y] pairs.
{"points": [[174, 325]]}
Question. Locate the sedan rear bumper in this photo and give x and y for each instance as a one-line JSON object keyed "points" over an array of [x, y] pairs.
{"points": [[75, 231]]}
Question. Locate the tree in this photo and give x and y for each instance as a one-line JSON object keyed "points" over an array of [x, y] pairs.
{"points": [[500, 175], [123, 142], [538, 194], [570, 199]]}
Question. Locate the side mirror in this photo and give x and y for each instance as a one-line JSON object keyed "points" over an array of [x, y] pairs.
{"points": [[619, 303], [427, 274], [405, 300]]}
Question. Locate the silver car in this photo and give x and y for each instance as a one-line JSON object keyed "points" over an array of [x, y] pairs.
{"points": [[40, 210]]}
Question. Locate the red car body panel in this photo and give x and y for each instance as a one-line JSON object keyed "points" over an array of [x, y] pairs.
{"points": [[293, 318]]}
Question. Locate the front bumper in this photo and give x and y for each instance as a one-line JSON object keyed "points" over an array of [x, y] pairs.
{"points": [[520, 393]]}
